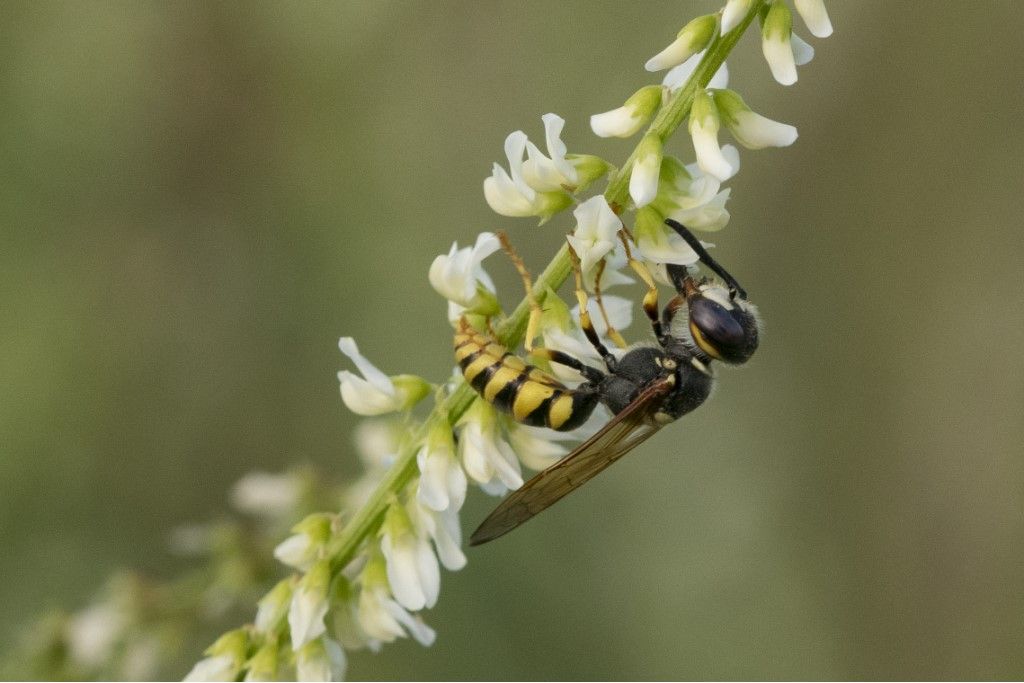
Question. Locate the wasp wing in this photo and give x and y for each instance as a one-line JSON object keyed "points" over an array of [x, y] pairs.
{"points": [[624, 432]]}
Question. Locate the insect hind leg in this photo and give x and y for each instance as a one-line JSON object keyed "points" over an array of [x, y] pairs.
{"points": [[535, 310]]}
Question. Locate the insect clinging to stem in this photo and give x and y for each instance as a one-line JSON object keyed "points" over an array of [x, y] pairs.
{"points": [[646, 388]]}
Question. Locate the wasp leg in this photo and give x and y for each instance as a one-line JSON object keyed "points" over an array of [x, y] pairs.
{"points": [[651, 297], [589, 373], [535, 309], [613, 333], [585, 322]]}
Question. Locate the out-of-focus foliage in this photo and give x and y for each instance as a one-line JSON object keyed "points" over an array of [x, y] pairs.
{"points": [[199, 199]]}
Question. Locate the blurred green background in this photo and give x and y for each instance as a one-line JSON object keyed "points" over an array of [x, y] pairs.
{"points": [[198, 199]]}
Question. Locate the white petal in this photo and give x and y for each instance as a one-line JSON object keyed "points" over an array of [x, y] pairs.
{"points": [[733, 14], [429, 572], [540, 172], [364, 398], [515, 148], [666, 247], [779, 55], [347, 345], [505, 197], [433, 488], [553, 124], [306, 616], [414, 625], [617, 123], [535, 450], [403, 570], [219, 668], [447, 539], [803, 52], [674, 54], [375, 615], [296, 551], [709, 216], [643, 180], [815, 15], [677, 76], [754, 131], [721, 78], [709, 155]]}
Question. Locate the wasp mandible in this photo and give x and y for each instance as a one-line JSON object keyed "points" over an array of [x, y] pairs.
{"points": [[647, 388]]}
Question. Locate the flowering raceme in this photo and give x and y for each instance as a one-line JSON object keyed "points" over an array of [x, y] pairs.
{"points": [[364, 577]]}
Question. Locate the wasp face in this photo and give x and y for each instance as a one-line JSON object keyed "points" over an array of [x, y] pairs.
{"points": [[723, 324]]}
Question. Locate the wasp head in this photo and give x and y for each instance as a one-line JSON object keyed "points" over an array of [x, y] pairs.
{"points": [[722, 322]]}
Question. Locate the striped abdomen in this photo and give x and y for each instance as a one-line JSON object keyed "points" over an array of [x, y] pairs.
{"points": [[528, 394]]}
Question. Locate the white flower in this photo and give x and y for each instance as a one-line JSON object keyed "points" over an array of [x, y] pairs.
{"points": [[303, 548], [693, 38], [309, 604], [535, 447], [455, 275], [643, 179], [508, 193], [93, 632], [658, 244], [385, 620], [704, 125], [442, 527], [554, 173], [750, 129], [677, 77], [815, 16], [216, 668], [273, 607], [321, 660], [628, 119], [692, 197], [296, 551], [412, 570], [488, 459], [442, 481], [269, 495], [224, 658], [375, 393], [775, 43], [709, 216], [595, 233], [733, 13]]}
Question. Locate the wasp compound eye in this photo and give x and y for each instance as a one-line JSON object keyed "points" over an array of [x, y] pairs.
{"points": [[726, 334]]}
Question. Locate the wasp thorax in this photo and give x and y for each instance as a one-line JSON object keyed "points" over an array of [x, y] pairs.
{"points": [[723, 325]]}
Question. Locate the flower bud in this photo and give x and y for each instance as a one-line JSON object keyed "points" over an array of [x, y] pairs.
{"points": [[309, 604], [643, 180], [693, 38], [815, 16], [704, 124], [751, 130], [628, 119], [733, 13], [272, 609], [775, 43]]}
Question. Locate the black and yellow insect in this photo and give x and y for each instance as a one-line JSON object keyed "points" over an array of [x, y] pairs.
{"points": [[646, 388]]}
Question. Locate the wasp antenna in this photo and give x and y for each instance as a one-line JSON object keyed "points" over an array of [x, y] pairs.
{"points": [[705, 257]]}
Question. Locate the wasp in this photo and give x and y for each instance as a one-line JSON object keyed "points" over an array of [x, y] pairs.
{"points": [[649, 386]]}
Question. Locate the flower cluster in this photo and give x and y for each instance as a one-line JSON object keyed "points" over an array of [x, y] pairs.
{"points": [[364, 577]]}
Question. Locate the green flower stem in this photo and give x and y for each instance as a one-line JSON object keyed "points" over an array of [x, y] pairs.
{"points": [[367, 521]]}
